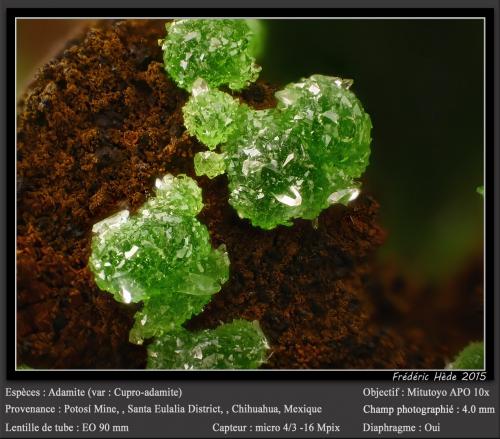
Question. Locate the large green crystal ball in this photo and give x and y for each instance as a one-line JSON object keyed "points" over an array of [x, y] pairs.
{"points": [[219, 51], [237, 345], [290, 161], [161, 255], [331, 122]]}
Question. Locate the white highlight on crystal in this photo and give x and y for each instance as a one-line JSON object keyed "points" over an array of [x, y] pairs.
{"points": [[199, 87], [215, 43], [252, 152], [191, 35], [334, 117], [127, 297], [288, 159], [287, 97], [181, 253], [289, 201], [335, 197], [354, 194], [131, 252], [112, 222], [197, 353], [249, 166], [164, 183], [314, 89]]}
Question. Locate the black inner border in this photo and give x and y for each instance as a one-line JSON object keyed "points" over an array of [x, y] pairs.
{"points": [[10, 289]]}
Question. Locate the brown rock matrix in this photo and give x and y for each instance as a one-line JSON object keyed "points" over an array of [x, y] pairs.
{"points": [[99, 124]]}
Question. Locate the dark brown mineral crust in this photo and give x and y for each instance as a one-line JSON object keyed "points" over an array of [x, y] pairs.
{"points": [[99, 124], [440, 319]]}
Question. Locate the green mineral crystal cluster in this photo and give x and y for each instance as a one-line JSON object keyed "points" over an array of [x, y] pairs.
{"points": [[162, 256], [219, 51], [287, 162], [219, 348], [471, 357]]}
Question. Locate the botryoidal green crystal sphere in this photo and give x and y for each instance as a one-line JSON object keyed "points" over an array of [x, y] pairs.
{"points": [[291, 161], [219, 51], [237, 345], [161, 255], [211, 115]]}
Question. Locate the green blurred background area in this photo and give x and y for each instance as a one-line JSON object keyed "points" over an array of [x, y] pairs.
{"points": [[421, 80]]}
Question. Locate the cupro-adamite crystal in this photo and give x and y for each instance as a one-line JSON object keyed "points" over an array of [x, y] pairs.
{"points": [[209, 163], [288, 162], [219, 51], [211, 115], [237, 345], [161, 255], [472, 357]]}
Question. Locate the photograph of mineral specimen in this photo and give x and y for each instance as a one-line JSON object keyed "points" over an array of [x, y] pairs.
{"points": [[201, 193]]}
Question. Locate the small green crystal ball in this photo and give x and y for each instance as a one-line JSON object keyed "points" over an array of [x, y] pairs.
{"points": [[209, 163], [211, 115], [472, 357], [237, 345], [219, 51], [161, 255], [288, 162]]}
